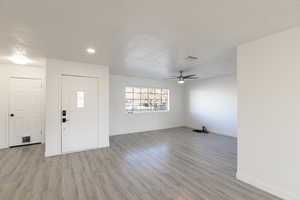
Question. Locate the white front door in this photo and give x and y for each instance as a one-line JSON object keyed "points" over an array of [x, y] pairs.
{"points": [[25, 118], [79, 115]]}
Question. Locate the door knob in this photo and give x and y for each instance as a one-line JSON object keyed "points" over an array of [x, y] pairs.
{"points": [[64, 120], [12, 115]]}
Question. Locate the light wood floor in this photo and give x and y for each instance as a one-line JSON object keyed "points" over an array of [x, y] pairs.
{"points": [[167, 164]]}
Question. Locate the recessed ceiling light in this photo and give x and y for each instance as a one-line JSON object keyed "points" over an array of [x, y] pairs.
{"points": [[90, 50], [19, 59]]}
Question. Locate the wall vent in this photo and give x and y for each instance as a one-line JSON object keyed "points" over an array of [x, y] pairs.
{"points": [[26, 139]]}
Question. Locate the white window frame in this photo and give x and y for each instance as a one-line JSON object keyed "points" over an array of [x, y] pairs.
{"points": [[150, 110]]}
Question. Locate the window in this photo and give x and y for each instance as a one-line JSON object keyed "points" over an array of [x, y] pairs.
{"points": [[80, 99], [146, 99]]}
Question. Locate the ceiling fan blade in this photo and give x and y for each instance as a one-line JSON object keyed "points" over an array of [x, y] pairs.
{"points": [[189, 76], [195, 77], [173, 78]]}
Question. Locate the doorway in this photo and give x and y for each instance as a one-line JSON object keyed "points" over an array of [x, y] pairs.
{"points": [[25, 111], [79, 113]]}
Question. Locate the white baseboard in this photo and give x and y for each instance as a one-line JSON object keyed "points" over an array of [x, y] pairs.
{"points": [[212, 131], [3, 147], [144, 130], [57, 154], [51, 154], [275, 190]]}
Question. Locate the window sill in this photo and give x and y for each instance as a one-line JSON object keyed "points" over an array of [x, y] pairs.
{"points": [[141, 112]]}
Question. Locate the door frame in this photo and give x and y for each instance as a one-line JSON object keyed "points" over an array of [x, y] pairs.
{"points": [[60, 109], [42, 109]]}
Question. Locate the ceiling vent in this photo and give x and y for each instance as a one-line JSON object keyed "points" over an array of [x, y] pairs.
{"points": [[191, 58]]}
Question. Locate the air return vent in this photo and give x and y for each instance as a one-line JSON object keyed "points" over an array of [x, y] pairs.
{"points": [[191, 58], [26, 139]]}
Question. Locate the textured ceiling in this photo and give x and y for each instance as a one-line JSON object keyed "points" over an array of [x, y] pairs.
{"points": [[142, 37]]}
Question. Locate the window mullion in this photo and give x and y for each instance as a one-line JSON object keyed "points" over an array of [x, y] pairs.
{"points": [[148, 101]]}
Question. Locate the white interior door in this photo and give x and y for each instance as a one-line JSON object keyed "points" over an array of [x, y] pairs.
{"points": [[25, 118], [79, 113]]}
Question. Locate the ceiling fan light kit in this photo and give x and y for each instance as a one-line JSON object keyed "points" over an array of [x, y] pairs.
{"points": [[180, 81]]}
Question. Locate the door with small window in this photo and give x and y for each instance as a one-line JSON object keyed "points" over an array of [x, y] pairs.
{"points": [[79, 114]]}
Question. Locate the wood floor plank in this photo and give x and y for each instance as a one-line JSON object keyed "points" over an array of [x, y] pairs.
{"points": [[166, 164]]}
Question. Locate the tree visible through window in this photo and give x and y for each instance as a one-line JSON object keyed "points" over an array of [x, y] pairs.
{"points": [[146, 99]]}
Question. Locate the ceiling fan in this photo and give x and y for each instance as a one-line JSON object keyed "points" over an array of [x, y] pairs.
{"points": [[180, 79]]}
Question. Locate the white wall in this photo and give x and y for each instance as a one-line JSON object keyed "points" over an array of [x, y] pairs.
{"points": [[121, 122], [269, 113], [212, 103], [55, 69], [7, 71]]}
